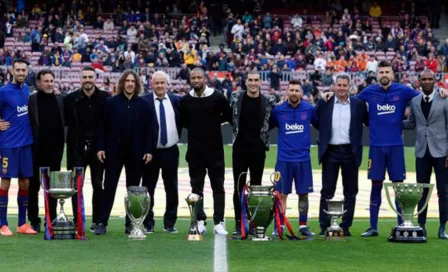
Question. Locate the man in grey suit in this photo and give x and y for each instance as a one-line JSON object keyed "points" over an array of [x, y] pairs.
{"points": [[429, 116]]}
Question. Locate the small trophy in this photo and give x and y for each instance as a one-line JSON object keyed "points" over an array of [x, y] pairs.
{"points": [[137, 204], [408, 196], [60, 185], [193, 201], [335, 210]]}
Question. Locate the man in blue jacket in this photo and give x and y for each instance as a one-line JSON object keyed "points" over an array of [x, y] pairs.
{"points": [[125, 140]]}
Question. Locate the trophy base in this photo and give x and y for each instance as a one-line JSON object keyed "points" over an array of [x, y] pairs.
{"points": [[334, 235], [137, 234], [64, 231], [264, 238], [194, 237], [401, 234]]}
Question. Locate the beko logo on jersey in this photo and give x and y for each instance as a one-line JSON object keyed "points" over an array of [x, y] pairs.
{"points": [[385, 109], [23, 110], [294, 128]]}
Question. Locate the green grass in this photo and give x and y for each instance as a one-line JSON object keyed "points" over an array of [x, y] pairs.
{"points": [[170, 252], [272, 155]]}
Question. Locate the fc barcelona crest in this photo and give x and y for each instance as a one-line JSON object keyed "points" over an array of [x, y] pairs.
{"points": [[396, 98], [303, 116], [5, 171]]}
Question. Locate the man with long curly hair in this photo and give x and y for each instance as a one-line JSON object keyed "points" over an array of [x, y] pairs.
{"points": [[124, 140]]}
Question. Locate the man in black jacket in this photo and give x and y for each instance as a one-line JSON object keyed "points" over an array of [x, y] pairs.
{"points": [[83, 112], [47, 123], [125, 139]]}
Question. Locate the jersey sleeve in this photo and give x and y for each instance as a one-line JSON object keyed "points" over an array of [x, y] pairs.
{"points": [[409, 93], [2, 103], [314, 119], [364, 94], [273, 122]]}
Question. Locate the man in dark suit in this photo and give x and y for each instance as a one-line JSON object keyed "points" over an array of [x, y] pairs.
{"points": [[429, 117], [340, 147], [124, 139], [166, 127], [47, 124], [83, 112]]}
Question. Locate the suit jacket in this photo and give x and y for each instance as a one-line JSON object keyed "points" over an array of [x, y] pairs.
{"points": [[358, 116], [109, 133], [71, 109], [175, 102], [431, 133], [267, 104], [34, 120]]}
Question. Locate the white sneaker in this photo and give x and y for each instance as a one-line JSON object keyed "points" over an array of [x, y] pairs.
{"points": [[219, 229], [201, 227]]}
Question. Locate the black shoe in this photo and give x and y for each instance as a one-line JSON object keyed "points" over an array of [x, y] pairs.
{"points": [[36, 227], [149, 229], [442, 234], [347, 232], [170, 230], [305, 231], [370, 233], [237, 230], [128, 229], [322, 233], [93, 227], [100, 229]]}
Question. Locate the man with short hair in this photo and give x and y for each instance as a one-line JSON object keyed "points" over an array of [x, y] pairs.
{"points": [[428, 116], [47, 122], [83, 110], [15, 147], [202, 111], [251, 115], [340, 147], [293, 119], [166, 128]]}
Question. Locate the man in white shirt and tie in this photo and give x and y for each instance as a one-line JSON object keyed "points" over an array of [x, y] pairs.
{"points": [[166, 126]]}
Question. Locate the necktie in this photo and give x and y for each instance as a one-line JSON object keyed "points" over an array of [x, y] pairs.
{"points": [[427, 99], [163, 131]]}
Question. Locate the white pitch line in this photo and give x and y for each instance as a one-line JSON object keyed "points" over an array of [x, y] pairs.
{"points": [[220, 254]]}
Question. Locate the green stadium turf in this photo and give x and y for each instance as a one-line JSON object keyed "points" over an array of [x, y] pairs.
{"points": [[272, 154], [171, 252]]}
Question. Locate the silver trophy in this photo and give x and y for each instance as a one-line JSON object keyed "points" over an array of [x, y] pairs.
{"points": [[60, 185], [335, 210], [137, 204]]}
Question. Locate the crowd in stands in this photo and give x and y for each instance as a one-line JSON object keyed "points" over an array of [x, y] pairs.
{"points": [[351, 38]]}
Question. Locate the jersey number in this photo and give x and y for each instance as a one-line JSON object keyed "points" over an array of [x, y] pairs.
{"points": [[5, 163], [369, 164]]}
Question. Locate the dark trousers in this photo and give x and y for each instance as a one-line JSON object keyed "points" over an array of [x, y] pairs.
{"points": [[84, 159], [166, 160], [45, 160], [215, 168], [337, 158], [244, 159], [424, 168], [114, 165]]}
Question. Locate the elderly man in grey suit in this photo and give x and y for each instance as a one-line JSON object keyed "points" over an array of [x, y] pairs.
{"points": [[429, 116]]}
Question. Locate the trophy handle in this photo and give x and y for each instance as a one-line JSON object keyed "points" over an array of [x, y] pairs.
{"points": [[44, 171], [428, 197], [275, 177], [238, 183], [386, 188]]}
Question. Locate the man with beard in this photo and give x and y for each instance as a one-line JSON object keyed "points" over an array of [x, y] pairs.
{"points": [[83, 110], [15, 147], [387, 103], [202, 111], [124, 139], [294, 119], [428, 116], [251, 114], [47, 122]]}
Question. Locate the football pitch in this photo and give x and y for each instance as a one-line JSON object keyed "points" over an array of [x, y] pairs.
{"points": [[171, 252]]}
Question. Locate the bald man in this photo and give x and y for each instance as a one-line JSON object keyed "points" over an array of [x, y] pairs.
{"points": [[429, 117], [166, 126]]}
